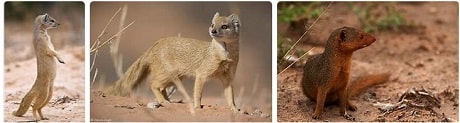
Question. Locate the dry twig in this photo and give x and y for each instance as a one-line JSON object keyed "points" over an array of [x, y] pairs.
{"points": [[306, 31]]}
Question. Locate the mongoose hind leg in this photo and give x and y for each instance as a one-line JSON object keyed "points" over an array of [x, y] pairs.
{"points": [[41, 114], [48, 95], [351, 106], [34, 113], [40, 102], [157, 91], [177, 81], [228, 92]]}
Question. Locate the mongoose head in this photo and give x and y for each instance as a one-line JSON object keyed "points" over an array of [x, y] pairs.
{"points": [[225, 29], [350, 39], [46, 22]]}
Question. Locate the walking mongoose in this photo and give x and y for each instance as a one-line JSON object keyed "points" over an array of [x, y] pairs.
{"points": [[42, 90], [171, 59], [326, 76]]}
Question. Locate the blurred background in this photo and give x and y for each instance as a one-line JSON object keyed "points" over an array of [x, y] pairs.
{"points": [[155, 20], [19, 20]]}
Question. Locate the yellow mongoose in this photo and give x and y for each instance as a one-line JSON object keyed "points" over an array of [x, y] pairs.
{"points": [[42, 90], [170, 59]]}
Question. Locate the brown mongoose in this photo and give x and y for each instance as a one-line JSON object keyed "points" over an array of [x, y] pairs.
{"points": [[326, 75], [171, 59], [42, 90]]}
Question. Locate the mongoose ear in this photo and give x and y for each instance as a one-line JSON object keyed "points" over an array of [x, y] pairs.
{"points": [[46, 18], [215, 16], [342, 35], [235, 21]]}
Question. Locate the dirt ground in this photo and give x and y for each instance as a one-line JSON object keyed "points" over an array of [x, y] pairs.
{"points": [[426, 57], [252, 85], [134, 109]]}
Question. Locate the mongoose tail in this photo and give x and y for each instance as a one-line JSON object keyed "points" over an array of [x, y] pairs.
{"points": [[364, 82], [24, 106], [137, 72]]}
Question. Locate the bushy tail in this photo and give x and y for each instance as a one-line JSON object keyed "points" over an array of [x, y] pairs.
{"points": [[25, 104], [133, 76], [363, 82]]}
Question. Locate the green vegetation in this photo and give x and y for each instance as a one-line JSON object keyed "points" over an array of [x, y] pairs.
{"points": [[386, 19], [289, 12]]}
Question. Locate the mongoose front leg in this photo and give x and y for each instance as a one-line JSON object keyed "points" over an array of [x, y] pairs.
{"points": [[198, 90], [343, 103], [228, 92], [320, 100], [55, 54]]}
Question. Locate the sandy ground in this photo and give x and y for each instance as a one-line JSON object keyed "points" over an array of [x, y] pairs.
{"points": [[114, 108], [68, 102], [252, 85], [424, 57]]}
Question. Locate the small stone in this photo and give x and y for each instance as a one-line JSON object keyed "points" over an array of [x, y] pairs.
{"points": [[265, 115]]}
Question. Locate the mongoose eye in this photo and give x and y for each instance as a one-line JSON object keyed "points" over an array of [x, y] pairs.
{"points": [[361, 37], [224, 27], [212, 25], [52, 21]]}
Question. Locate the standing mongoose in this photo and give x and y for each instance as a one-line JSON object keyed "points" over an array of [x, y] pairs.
{"points": [[169, 60], [42, 90], [326, 76]]}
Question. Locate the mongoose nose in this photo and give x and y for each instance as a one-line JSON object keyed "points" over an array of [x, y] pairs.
{"points": [[213, 31]]}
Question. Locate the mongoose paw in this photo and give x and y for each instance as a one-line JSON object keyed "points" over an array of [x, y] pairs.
{"points": [[154, 105], [348, 117], [352, 107], [316, 117], [44, 118], [235, 110], [61, 61], [176, 101], [198, 106]]}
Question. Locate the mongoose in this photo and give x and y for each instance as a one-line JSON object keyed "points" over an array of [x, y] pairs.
{"points": [[171, 59], [326, 75], [42, 90]]}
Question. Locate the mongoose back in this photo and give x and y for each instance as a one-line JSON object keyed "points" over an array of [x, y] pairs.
{"points": [[42, 90], [171, 59], [326, 76]]}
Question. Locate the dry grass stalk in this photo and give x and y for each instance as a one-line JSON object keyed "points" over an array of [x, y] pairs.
{"points": [[100, 43], [296, 60], [117, 58]]}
